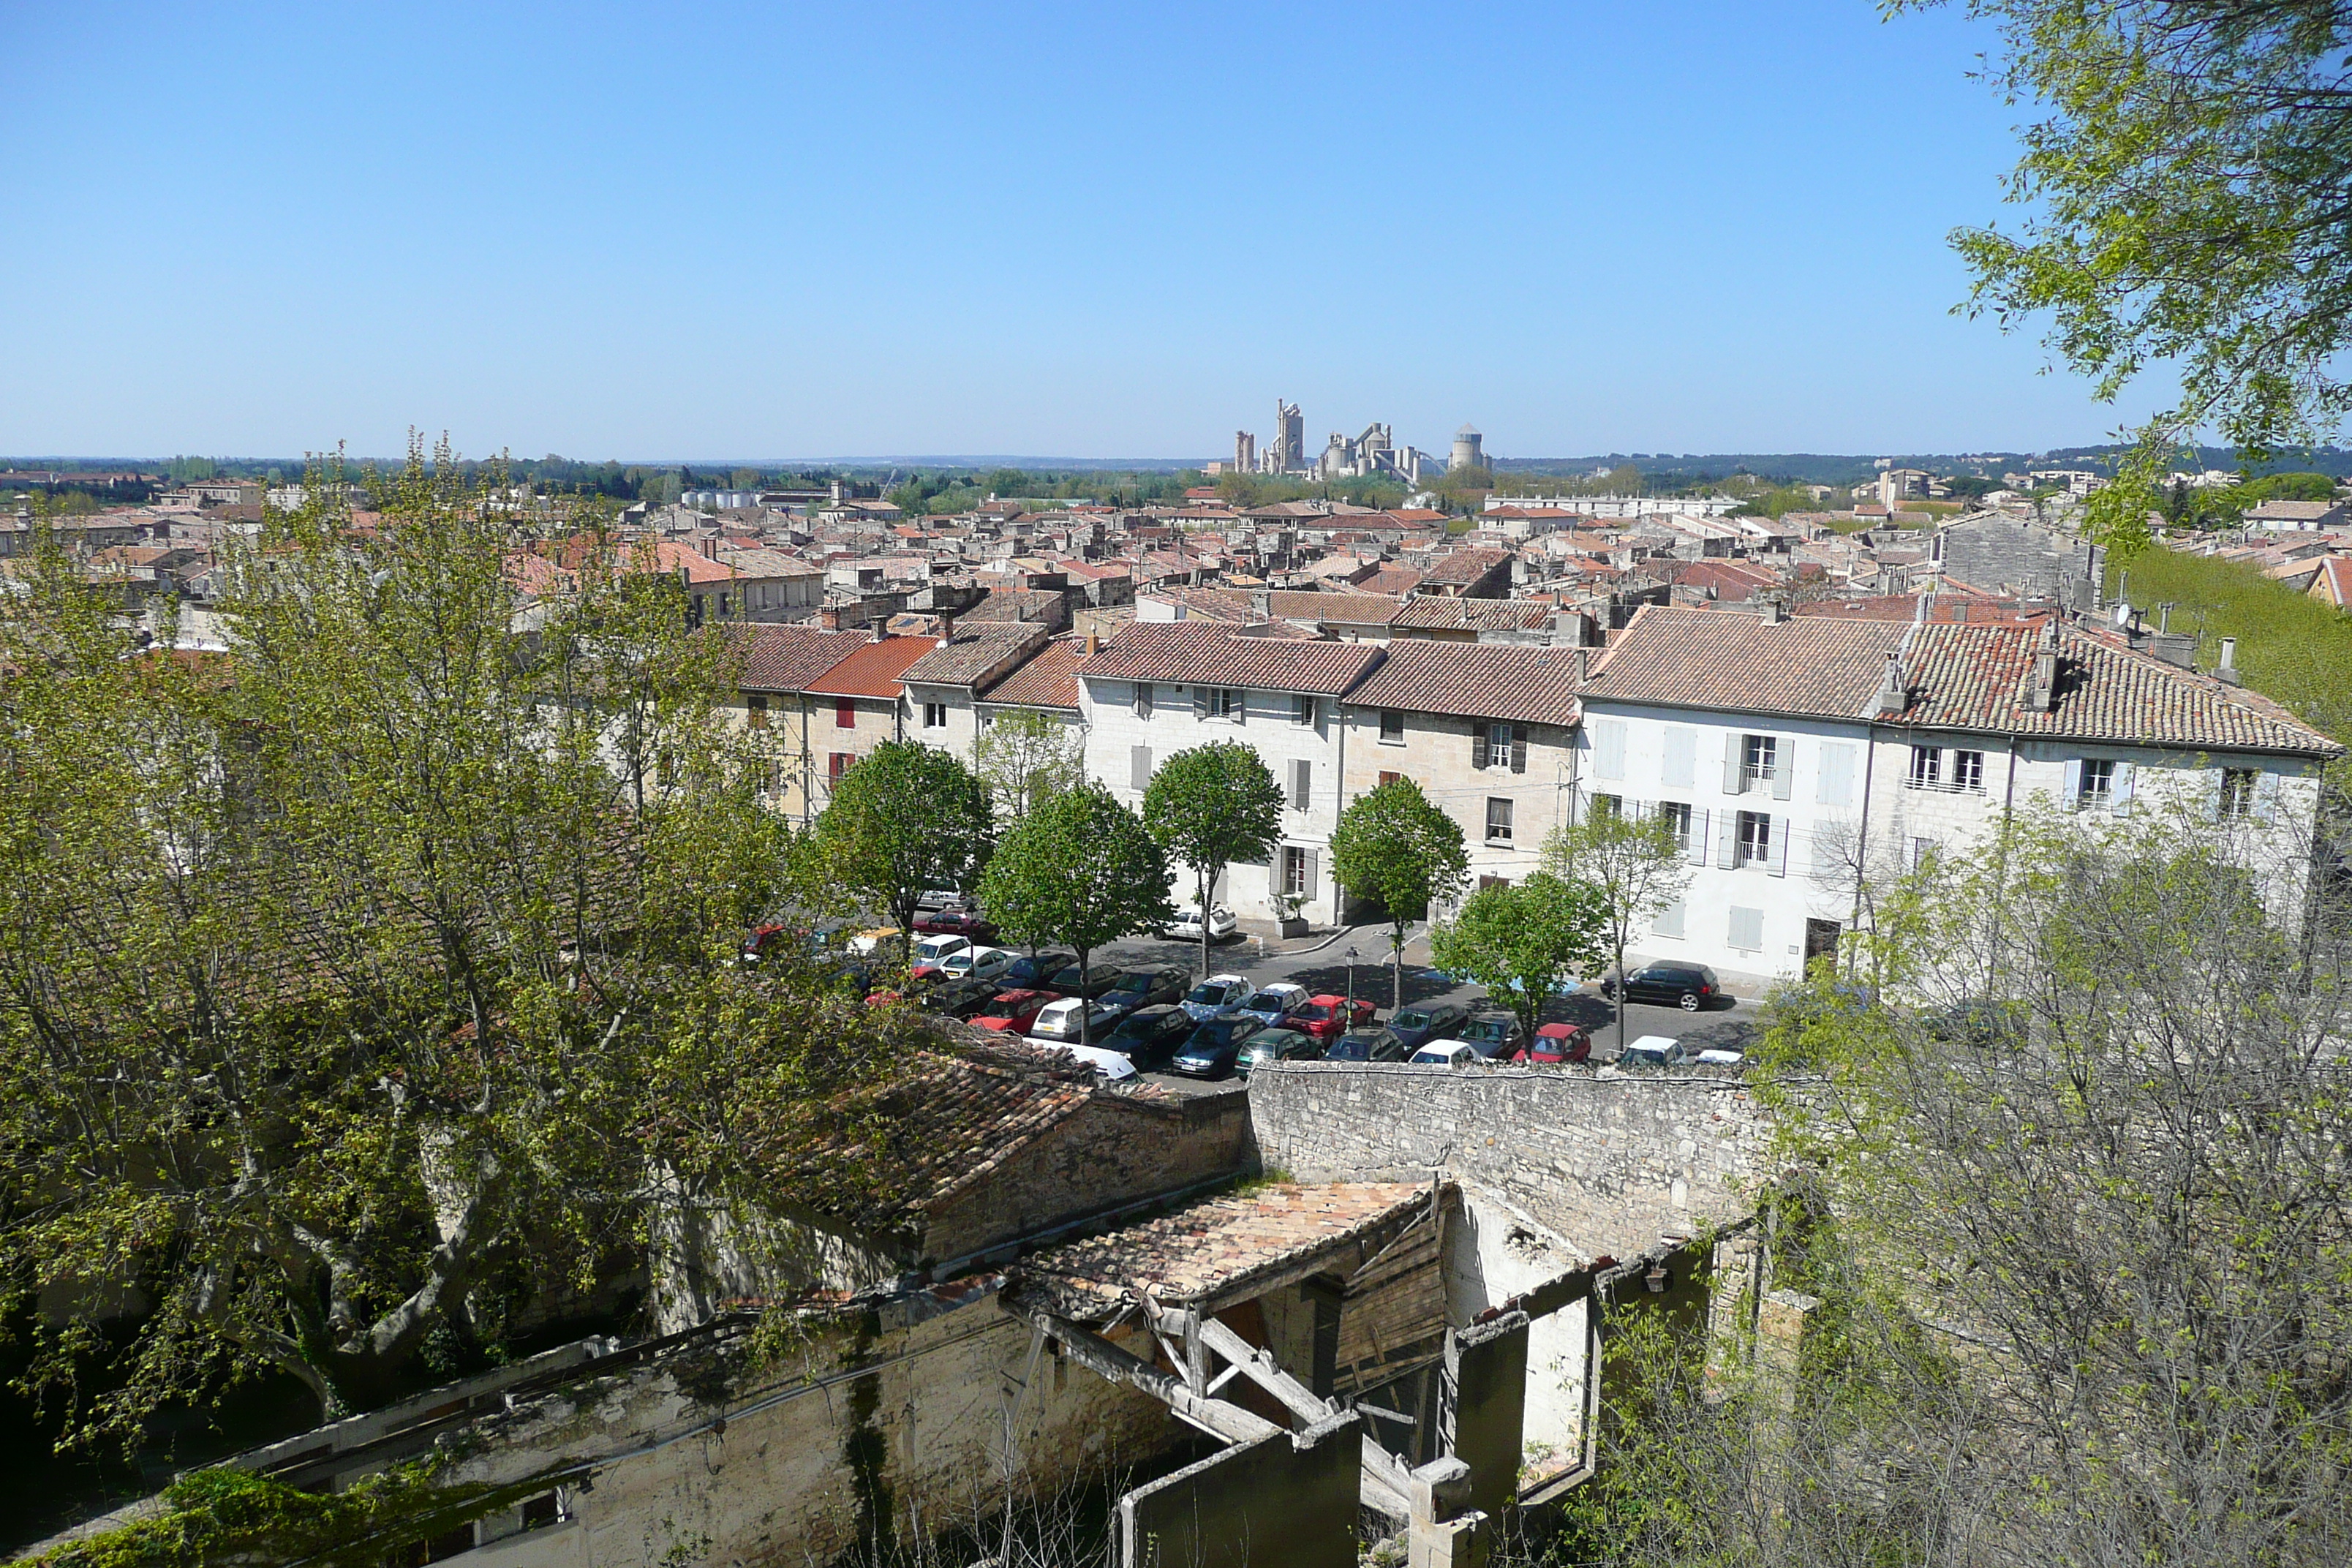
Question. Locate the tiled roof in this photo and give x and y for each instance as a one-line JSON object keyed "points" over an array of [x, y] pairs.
{"points": [[1208, 654], [872, 671], [1217, 1246], [1353, 609], [1392, 580], [1039, 605], [1726, 659], [1476, 681], [1047, 680], [1425, 612], [2334, 583], [1464, 566], [973, 653], [786, 658]]}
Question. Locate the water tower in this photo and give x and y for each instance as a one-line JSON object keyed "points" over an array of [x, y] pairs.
{"points": [[1468, 449]]}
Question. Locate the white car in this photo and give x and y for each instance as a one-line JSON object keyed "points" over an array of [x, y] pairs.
{"points": [[1215, 996], [1058, 1021], [934, 950], [1654, 1051], [1112, 1065], [1221, 922], [1446, 1053], [1721, 1057], [977, 962]]}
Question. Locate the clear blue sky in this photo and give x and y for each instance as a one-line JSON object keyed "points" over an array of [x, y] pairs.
{"points": [[710, 231]]}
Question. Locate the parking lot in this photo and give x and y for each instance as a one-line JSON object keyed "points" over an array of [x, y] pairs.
{"points": [[1329, 970]]}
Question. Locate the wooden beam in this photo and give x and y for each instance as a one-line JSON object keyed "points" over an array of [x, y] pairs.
{"points": [[1259, 1367], [1230, 1422]]}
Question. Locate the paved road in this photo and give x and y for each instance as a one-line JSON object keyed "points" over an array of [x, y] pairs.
{"points": [[1329, 970]]}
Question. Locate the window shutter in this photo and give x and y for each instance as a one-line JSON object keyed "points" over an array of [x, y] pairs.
{"points": [[1668, 921], [1477, 745], [1302, 774], [1779, 846], [1237, 706], [1140, 766], [1748, 930], [1200, 702], [1833, 781], [1727, 840], [1518, 748], [1784, 767], [2266, 794], [1274, 871], [1314, 889], [1734, 747], [2216, 779], [2073, 785], [1609, 748], [2119, 791], [1700, 819], [1681, 757]]}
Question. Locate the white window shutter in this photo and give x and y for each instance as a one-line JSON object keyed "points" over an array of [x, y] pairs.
{"points": [[1138, 759], [1200, 702], [1609, 748], [1747, 930], [1681, 757], [1727, 840], [2266, 795], [2073, 785], [1700, 820], [1668, 921], [1314, 889], [1477, 745], [1239, 701], [1833, 777], [1302, 774], [2119, 792], [2212, 794], [1784, 767], [1779, 846], [1734, 746], [1827, 862], [1274, 871]]}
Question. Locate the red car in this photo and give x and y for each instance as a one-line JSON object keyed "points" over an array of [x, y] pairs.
{"points": [[956, 922], [1327, 1017], [1014, 1011], [1556, 1043]]}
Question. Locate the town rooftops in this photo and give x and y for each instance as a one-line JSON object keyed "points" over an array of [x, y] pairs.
{"points": [[872, 671], [1461, 568], [1205, 653], [972, 654], [787, 657], [1047, 680], [1717, 658], [1424, 613], [1476, 681]]}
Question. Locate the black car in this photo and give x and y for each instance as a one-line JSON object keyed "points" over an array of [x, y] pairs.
{"points": [[1495, 1036], [1147, 987], [1150, 1036], [961, 998], [1367, 1046], [1034, 972], [1277, 1046], [1212, 1048], [1093, 985], [1689, 987], [1416, 1026]]}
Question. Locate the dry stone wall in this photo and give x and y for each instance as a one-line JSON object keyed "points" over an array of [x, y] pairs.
{"points": [[1611, 1162]]}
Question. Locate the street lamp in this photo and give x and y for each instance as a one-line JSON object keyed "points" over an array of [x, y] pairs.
{"points": [[1351, 984]]}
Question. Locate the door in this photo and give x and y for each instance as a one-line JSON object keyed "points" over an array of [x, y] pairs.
{"points": [[1821, 939]]}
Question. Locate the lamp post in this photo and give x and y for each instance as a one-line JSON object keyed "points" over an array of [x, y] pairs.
{"points": [[1351, 986]]}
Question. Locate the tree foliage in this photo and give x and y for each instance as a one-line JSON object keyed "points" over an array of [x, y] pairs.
{"points": [[1080, 869], [1525, 941], [1211, 806], [1392, 844], [1633, 864], [907, 817], [1026, 755]]}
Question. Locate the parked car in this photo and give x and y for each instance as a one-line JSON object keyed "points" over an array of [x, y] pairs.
{"points": [[1216, 996], [1275, 1004], [872, 940], [1058, 1021], [1187, 923], [1277, 1046], [1654, 1051], [956, 922], [1145, 988], [1416, 1026], [1689, 987], [1498, 1037], [961, 998], [1327, 1017], [1373, 1045], [931, 949], [1096, 982], [761, 941], [1151, 1036], [1014, 1011], [978, 964], [942, 898], [1213, 1046], [1033, 970], [1445, 1054], [1556, 1043], [1721, 1057], [1110, 1064]]}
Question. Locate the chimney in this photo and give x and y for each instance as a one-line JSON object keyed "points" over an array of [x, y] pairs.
{"points": [[1893, 695], [1926, 609], [1094, 642], [710, 547], [1774, 611], [881, 626], [2227, 669], [1583, 665], [1262, 605]]}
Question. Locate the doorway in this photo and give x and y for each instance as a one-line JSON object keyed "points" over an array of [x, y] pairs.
{"points": [[1821, 939]]}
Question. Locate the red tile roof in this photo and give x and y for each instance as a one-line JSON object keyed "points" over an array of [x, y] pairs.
{"points": [[872, 671], [1048, 680], [1208, 654], [1726, 659], [1476, 681], [786, 658], [1463, 567]]}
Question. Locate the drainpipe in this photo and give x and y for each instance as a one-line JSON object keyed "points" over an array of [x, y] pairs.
{"points": [[1338, 794], [1862, 841]]}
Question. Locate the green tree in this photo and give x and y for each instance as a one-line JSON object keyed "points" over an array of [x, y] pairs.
{"points": [[908, 817], [1393, 845], [2183, 201], [1210, 806], [1525, 942], [1636, 863], [1080, 869], [1026, 755]]}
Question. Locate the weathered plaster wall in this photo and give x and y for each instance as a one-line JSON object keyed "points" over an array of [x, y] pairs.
{"points": [[1609, 1161], [1290, 1498]]}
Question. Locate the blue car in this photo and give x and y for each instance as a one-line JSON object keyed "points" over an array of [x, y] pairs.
{"points": [[1214, 1047], [1215, 996], [1275, 1004], [1415, 1026]]}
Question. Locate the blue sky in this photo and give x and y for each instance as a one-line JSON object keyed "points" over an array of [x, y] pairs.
{"points": [[1100, 230]]}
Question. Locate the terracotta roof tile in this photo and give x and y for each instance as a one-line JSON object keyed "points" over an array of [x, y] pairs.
{"points": [[975, 652], [1476, 681], [1047, 680], [1731, 660], [872, 671], [787, 657], [1464, 566], [1425, 612], [1208, 654]]}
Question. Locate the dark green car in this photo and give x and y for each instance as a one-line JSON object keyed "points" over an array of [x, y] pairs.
{"points": [[1277, 1046]]}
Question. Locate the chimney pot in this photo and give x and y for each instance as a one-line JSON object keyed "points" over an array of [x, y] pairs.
{"points": [[1094, 643]]}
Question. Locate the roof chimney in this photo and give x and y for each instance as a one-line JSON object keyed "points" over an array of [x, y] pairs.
{"points": [[881, 629], [1774, 611], [2227, 669], [1893, 696], [1094, 642], [1583, 665]]}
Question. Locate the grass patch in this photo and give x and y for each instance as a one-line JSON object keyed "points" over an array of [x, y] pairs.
{"points": [[2292, 648]]}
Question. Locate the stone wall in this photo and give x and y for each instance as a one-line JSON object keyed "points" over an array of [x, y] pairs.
{"points": [[1609, 1162]]}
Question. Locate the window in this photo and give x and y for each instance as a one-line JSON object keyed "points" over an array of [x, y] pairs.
{"points": [[1755, 841], [756, 705], [1499, 820], [837, 765], [935, 715], [1926, 766], [845, 712], [1302, 777], [1138, 766], [542, 1511], [1607, 804], [1218, 701], [2238, 787], [1302, 709], [1677, 815], [1499, 745], [722, 606], [2098, 785], [1389, 778], [1967, 772], [1294, 871], [1923, 852], [1759, 760], [1391, 727], [1487, 882], [1143, 699], [1746, 933]]}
